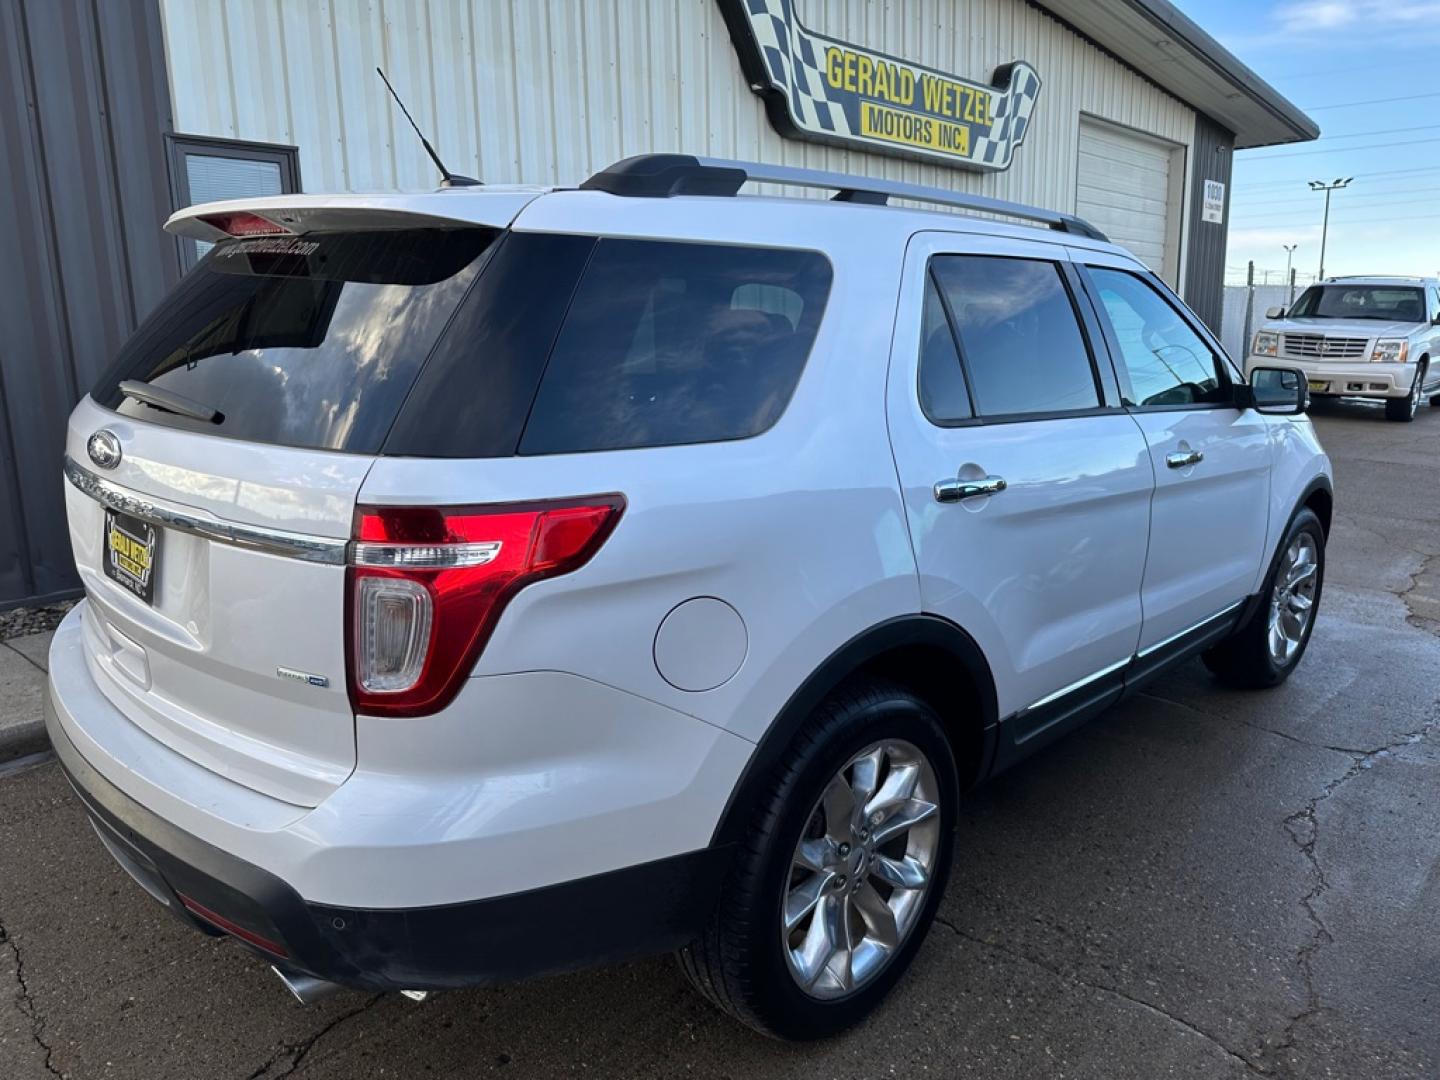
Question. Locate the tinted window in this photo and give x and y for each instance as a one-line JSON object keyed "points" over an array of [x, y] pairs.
{"points": [[309, 341], [943, 396], [1388, 302], [475, 393], [1021, 343], [1162, 360], [669, 343]]}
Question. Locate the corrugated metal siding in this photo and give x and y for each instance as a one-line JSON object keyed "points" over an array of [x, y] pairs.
{"points": [[1214, 151], [548, 91], [83, 105]]}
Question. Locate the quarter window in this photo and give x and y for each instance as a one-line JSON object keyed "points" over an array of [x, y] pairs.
{"points": [[1020, 341], [668, 343], [1163, 362]]}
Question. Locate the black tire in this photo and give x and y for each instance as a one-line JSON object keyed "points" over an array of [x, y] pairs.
{"points": [[740, 963], [1245, 658], [1403, 410]]}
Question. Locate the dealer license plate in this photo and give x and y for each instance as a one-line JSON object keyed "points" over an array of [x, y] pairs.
{"points": [[132, 548]]}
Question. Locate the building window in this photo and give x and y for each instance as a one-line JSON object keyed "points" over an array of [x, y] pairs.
{"points": [[206, 170]]}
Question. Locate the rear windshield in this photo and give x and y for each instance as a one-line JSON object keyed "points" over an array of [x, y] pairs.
{"points": [[309, 341], [1388, 302]]}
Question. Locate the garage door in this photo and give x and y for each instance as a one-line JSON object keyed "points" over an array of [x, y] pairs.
{"points": [[1124, 188]]}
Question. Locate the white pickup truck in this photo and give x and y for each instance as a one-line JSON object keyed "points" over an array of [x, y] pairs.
{"points": [[1373, 337]]}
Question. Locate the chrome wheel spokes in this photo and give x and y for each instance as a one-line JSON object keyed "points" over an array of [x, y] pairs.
{"points": [[861, 869], [1292, 599]]}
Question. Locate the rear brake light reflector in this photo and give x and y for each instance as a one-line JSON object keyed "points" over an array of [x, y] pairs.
{"points": [[274, 948], [427, 586], [243, 223]]}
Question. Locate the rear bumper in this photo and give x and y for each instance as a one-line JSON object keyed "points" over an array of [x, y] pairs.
{"points": [[536, 832], [636, 911], [1351, 379]]}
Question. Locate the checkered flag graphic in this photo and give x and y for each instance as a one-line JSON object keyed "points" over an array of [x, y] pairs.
{"points": [[1012, 118], [791, 57]]}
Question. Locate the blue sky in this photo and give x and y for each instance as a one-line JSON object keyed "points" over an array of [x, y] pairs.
{"points": [[1325, 56]]}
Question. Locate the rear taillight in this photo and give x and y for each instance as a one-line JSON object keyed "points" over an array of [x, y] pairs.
{"points": [[243, 223], [427, 585]]}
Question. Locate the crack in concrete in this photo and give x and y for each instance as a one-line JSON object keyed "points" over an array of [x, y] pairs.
{"points": [[1413, 617], [1075, 979], [11, 648], [299, 1050], [26, 1003], [1210, 713], [1303, 828]]}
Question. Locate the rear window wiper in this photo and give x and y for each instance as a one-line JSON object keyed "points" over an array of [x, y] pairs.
{"points": [[167, 401]]}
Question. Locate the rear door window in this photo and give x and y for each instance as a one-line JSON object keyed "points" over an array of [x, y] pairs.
{"points": [[1019, 336], [306, 341], [668, 342]]}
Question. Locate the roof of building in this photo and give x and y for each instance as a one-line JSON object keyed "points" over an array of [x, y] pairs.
{"points": [[1167, 47]]}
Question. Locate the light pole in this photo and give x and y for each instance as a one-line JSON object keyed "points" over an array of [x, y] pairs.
{"points": [[1320, 185], [1290, 274]]}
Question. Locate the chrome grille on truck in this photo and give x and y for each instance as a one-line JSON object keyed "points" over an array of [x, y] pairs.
{"points": [[1318, 345]]}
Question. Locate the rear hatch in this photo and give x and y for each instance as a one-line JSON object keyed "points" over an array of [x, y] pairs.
{"points": [[246, 412]]}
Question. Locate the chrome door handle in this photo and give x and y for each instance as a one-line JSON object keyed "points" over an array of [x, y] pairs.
{"points": [[951, 491], [1184, 459]]}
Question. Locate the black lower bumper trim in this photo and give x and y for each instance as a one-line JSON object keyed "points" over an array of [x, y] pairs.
{"points": [[636, 911]]}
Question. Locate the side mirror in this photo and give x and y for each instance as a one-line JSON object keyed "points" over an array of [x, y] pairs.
{"points": [[1279, 391], [1274, 313]]}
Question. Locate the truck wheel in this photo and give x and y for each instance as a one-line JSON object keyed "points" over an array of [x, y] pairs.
{"points": [[1266, 649], [841, 871], [1404, 409]]}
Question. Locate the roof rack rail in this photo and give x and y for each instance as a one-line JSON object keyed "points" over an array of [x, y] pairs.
{"points": [[664, 175]]}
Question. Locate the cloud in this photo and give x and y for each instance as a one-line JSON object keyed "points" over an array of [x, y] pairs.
{"points": [[1317, 21], [1301, 16]]}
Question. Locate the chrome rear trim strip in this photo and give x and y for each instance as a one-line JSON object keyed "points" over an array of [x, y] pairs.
{"points": [[1087, 680], [291, 545], [1188, 630]]}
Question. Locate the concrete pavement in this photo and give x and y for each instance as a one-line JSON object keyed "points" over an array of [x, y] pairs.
{"points": [[22, 690], [1200, 884]]}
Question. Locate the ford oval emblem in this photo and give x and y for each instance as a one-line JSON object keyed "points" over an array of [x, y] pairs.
{"points": [[104, 449]]}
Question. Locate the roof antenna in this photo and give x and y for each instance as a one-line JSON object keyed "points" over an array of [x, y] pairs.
{"points": [[450, 179]]}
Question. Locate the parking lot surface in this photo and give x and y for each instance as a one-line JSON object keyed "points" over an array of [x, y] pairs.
{"points": [[1202, 883]]}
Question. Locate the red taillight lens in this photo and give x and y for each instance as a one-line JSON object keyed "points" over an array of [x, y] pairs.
{"points": [[427, 585], [243, 223]]}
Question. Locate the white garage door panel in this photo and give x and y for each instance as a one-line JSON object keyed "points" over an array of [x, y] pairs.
{"points": [[1124, 188]]}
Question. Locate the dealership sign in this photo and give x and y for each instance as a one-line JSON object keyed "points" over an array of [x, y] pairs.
{"points": [[825, 90]]}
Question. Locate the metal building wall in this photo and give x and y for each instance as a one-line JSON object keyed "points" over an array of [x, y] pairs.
{"points": [[547, 91], [83, 105], [1214, 153]]}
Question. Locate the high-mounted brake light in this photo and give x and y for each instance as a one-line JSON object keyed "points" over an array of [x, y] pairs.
{"points": [[243, 223], [427, 586]]}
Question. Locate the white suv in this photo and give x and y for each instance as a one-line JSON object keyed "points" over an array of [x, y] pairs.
{"points": [[495, 582], [1360, 337]]}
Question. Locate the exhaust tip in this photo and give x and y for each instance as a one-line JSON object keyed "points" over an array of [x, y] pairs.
{"points": [[306, 989]]}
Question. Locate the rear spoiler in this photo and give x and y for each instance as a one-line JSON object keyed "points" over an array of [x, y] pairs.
{"points": [[496, 207]]}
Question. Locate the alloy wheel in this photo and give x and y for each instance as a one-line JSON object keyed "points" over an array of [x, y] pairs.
{"points": [[861, 869], [1292, 600]]}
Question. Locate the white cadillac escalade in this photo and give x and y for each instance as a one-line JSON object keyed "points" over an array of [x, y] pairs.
{"points": [[1369, 337]]}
